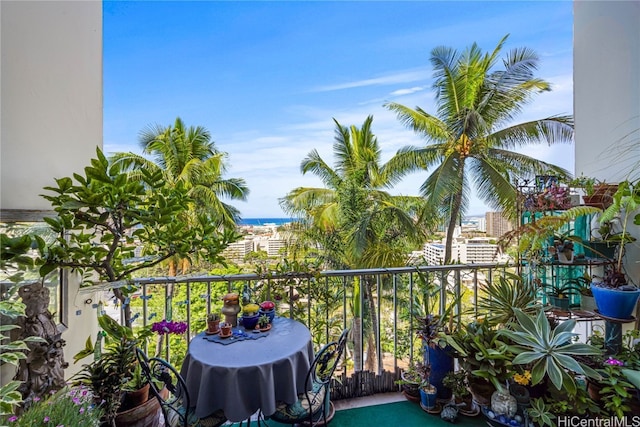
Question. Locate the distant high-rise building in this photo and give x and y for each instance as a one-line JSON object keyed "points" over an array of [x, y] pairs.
{"points": [[497, 224], [482, 224]]}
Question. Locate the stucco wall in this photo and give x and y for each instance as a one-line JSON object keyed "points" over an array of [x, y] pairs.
{"points": [[51, 95], [607, 97], [51, 113]]}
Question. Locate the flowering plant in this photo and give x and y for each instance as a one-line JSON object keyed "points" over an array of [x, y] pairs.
{"points": [[267, 305], [250, 309], [553, 197], [165, 327], [523, 378], [67, 408]]}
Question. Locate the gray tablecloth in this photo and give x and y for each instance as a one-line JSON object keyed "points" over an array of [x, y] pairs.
{"points": [[248, 375]]}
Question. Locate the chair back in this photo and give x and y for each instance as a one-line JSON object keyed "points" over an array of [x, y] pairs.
{"points": [[326, 361], [159, 371]]}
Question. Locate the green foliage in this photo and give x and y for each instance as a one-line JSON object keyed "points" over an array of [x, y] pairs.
{"points": [[549, 351], [74, 407], [616, 390], [114, 366], [626, 201], [482, 352], [469, 137], [108, 215], [502, 296], [540, 413]]}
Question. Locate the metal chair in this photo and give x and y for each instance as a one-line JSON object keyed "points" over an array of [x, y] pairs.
{"points": [[312, 405], [174, 401]]}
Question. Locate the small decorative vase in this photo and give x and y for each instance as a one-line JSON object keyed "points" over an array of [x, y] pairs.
{"points": [[502, 403], [231, 308], [225, 330]]}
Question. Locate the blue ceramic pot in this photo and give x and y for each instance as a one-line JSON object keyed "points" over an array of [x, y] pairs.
{"points": [[250, 322], [428, 400], [615, 303], [441, 361], [270, 313]]}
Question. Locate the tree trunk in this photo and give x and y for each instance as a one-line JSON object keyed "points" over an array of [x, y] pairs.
{"points": [[455, 212]]}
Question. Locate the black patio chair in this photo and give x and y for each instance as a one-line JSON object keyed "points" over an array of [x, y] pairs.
{"points": [[174, 401], [312, 405]]}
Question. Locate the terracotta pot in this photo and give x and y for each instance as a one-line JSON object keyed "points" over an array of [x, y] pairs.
{"points": [[136, 397], [149, 414], [213, 326]]}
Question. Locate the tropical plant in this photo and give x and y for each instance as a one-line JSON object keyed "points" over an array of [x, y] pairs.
{"points": [[540, 413], [187, 155], [549, 351], [503, 295], [355, 222], [14, 259], [458, 382], [105, 215], [471, 135], [626, 202], [482, 352], [113, 367]]}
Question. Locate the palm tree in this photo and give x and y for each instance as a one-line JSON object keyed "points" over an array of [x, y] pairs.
{"points": [[356, 222], [470, 137], [187, 155]]}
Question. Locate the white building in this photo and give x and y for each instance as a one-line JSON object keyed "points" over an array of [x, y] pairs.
{"points": [[236, 251]]}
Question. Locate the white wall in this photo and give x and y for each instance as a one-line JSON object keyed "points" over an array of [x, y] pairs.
{"points": [[51, 83], [606, 88], [51, 113]]}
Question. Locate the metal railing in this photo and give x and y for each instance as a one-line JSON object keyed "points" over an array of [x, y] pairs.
{"points": [[377, 304]]}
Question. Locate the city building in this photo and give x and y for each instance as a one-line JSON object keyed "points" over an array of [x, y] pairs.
{"points": [[496, 224]]}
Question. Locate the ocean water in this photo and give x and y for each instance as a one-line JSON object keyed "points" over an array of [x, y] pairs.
{"points": [[263, 221]]}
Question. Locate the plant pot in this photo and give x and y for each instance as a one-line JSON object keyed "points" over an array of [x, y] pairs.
{"points": [[561, 303], [614, 303], [565, 257], [270, 313], [441, 361], [410, 388], [428, 398], [587, 303], [602, 196], [521, 394], [604, 250], [264, 328], [249, 322], [213, 326], [136, 397], [149, 414], [481, 390]]}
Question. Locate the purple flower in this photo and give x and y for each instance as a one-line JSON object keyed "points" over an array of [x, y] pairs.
{"points": [[36, 399], [169, 327], [12, 418], [614, 362], [46, 419]]}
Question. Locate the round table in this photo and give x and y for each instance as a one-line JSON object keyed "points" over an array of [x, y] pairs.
{"points": [[244, 376]]}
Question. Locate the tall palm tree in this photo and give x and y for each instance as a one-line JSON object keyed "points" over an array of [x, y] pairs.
{"points": [[359, 225], [470, 136], [187, 156]]}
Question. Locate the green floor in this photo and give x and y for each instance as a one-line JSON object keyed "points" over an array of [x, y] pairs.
{"points": [[398, 414]]}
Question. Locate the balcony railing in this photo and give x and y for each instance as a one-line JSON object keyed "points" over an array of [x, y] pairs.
{"points": [[377, 304]]}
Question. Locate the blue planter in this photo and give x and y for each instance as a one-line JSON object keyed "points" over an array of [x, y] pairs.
{"points": [[614, 303], [428, 400], [441, 361], [270, 313], [250, 322]]}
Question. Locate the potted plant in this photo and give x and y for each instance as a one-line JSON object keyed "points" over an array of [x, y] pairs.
{"points": [[428, 392], [263, 323], [225, 329], [560, 294], [250, 315], [457, 382], [112, 367], [213, 323], [410, 379], [615, 297], [136, 390], [67, 407], [268, 308]]}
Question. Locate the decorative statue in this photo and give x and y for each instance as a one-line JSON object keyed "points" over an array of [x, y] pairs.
{"points": [[43, 370]]}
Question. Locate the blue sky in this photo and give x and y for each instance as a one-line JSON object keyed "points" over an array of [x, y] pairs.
{"points": [[268, 78]]}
